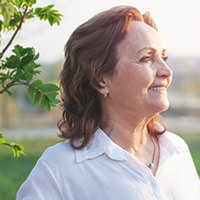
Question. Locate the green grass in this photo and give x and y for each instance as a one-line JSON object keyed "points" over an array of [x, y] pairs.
{"points": [[13, 171], [193, 141]]}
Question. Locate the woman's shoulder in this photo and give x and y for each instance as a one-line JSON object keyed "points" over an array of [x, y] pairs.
{"points": [[175, 137], [175, 140], [60, 153], [62, 146]]}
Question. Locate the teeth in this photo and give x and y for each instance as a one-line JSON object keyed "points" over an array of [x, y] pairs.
{"points": [[158, 88]]}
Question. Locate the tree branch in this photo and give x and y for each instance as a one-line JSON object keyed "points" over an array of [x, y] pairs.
{"points": [[15, 33], [12, 83]]}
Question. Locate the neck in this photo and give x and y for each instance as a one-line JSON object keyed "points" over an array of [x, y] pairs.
{"points": [[126, 130], [138, 142], [132, 137], [131, 133], [128, 136], [123, 124]]}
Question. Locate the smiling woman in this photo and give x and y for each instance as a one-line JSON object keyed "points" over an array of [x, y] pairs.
{"points": [[141, 64], [114, 87]]}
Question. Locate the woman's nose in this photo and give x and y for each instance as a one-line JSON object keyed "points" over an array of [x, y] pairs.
{"points": [[164, 70]]}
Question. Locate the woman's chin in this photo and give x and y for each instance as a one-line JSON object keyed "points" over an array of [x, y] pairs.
{"points": [[161, 107]]}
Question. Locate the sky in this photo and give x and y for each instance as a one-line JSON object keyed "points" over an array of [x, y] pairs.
{"points": [[177, 22]]}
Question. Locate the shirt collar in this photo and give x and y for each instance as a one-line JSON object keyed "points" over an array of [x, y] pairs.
{"points": [[100, 144]]}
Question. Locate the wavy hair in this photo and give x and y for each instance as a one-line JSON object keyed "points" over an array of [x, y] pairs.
{"points": [[89, 53]]}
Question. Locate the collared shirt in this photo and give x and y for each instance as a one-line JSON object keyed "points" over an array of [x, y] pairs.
{"points": [[104, 171]]}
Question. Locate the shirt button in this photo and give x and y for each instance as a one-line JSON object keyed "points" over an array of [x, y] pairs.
{"points": [[156, 194], [153, 184]]}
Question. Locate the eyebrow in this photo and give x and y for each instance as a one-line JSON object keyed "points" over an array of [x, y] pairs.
{"points": [[149, 49]]}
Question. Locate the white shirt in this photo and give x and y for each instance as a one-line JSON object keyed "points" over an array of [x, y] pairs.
{"points": [[105, 171]]}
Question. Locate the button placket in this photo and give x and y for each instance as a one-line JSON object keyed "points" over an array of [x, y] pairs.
{"points": [[150, 179], [153, 184], [155, 190]]}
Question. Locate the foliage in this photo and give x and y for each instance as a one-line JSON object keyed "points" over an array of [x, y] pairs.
{"points": [[17, 149], [21, 67]]}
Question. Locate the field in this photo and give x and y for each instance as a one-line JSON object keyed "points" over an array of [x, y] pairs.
{"points": [[13, 171]]}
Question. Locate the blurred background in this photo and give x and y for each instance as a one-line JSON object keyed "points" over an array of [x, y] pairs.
{"points": [[179, 28], [35, 129]]}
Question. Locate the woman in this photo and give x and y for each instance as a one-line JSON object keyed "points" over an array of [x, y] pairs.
{"points": [[114, 85]]}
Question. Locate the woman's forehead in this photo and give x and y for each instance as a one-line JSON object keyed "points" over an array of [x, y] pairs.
{"points": [[140, 38]]}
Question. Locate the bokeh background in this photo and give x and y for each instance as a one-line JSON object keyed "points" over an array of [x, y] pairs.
{"points": [[179, 27]]}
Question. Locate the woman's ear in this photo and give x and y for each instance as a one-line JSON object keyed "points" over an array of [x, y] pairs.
{"points": [[102, 87], [102, 83]]}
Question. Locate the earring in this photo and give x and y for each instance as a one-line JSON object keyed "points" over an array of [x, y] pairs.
{"points": [[106, 91]]}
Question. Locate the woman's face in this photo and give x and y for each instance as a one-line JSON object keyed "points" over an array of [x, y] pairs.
{"points": [[141, 78]]}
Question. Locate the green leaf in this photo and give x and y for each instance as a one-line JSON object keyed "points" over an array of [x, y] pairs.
{"points": [[47, 13], [34, 94], [37, 83], [22, 64], [49, 88], [54, 102], [31, 91], [18, 3], [21, 3], [11, 62], [7, 10], [15, 20], [1, 28], [30, 14], [50, 91], [31, 2], [2, 139], [45, 103], [17, 149], [8, 92], [45, 94], [4, 77], [37, 96]]}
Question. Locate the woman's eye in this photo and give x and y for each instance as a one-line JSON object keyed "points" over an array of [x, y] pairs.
{"points": [[165, 58], [146, 59]]}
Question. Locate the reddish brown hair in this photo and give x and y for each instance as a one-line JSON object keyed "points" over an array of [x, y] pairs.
{"points": [[89, 53]]}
